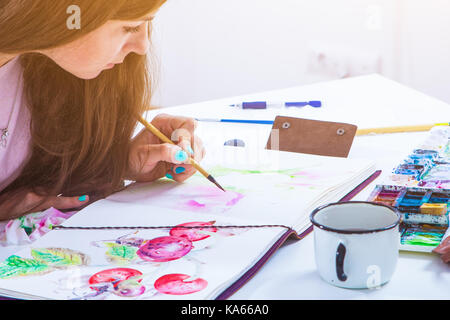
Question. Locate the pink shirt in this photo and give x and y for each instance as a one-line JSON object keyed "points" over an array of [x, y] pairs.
{"points": [[13, 108]]}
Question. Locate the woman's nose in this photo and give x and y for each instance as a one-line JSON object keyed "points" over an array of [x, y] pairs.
{"points": [[140, 43]]}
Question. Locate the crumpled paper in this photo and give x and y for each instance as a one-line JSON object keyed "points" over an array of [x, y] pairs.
{"points": [[28, 228]]}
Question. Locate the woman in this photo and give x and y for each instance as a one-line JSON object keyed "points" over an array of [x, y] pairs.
{"points": [[69, 96]]}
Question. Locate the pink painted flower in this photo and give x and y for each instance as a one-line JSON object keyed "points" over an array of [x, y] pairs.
{"points": [[163, 249], [174, 284]]}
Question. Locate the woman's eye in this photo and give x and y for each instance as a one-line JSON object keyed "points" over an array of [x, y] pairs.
{"points": [[131, 29]]}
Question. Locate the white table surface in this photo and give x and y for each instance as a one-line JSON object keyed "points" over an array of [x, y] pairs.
{"points": [[367, 101]]}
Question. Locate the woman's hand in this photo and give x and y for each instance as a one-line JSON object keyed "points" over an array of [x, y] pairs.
{"points": [[444, 250], [150, 159], [22, 202]]}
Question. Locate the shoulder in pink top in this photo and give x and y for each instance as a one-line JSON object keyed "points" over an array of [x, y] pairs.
{"points": [[15, 117]]}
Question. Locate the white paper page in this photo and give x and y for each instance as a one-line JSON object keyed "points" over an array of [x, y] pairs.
{"points": [[216, 259]]}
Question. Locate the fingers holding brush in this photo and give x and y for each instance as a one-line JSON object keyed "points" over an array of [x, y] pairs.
{"points": [[160, 135], [181, 172]]}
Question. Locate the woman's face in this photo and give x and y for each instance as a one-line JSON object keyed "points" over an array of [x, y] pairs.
{"points": [[102, 48]]}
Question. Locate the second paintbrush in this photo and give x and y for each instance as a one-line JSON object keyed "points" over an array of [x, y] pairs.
{"points": [[194, 163]]}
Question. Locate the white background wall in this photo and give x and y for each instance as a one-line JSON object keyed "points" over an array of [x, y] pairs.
{"points": [[208, 49]]}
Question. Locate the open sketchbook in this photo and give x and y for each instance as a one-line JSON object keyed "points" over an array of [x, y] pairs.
{"points": [[180, 263]]}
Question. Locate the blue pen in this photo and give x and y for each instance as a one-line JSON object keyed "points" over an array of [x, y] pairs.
{"points": [[236, 120], [274, 104]]}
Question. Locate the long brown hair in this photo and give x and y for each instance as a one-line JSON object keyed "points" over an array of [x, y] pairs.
{"points": [[80, 129]]}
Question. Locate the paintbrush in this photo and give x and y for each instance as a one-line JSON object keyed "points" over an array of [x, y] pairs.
{"points": [[194, 163]]}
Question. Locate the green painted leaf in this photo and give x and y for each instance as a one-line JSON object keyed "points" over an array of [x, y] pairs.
{"points": [[16, 266], [59, 257], [121, 254]]}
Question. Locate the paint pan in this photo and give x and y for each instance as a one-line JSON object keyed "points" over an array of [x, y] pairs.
{"points": [[437, 184], [426, 163], [433, 208], [425, 235], [385, 194], [436, 203], [410, 169], [439, 197], [438, 173], [387, 197], [424, 154], [411, 201]]}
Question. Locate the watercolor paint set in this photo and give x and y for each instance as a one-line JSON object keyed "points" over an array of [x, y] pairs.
{"points": [[419, 188], [424, 214], [428, 165]]}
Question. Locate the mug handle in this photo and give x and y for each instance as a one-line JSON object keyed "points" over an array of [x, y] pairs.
{"points": [[340, 255]]}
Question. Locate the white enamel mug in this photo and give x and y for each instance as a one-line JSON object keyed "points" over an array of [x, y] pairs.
{"points": [[356, 243]]}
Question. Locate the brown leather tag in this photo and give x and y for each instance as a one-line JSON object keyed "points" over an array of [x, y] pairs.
{"points": [[311, 136]]}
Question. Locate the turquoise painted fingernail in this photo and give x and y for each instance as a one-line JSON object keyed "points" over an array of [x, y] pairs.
{"points": [[169, 176], [181, 156], [180, 170], [190, 150], [82, 198]]}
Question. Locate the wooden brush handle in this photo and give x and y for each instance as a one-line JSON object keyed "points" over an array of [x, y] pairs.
{"points": [[162, 137]]}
